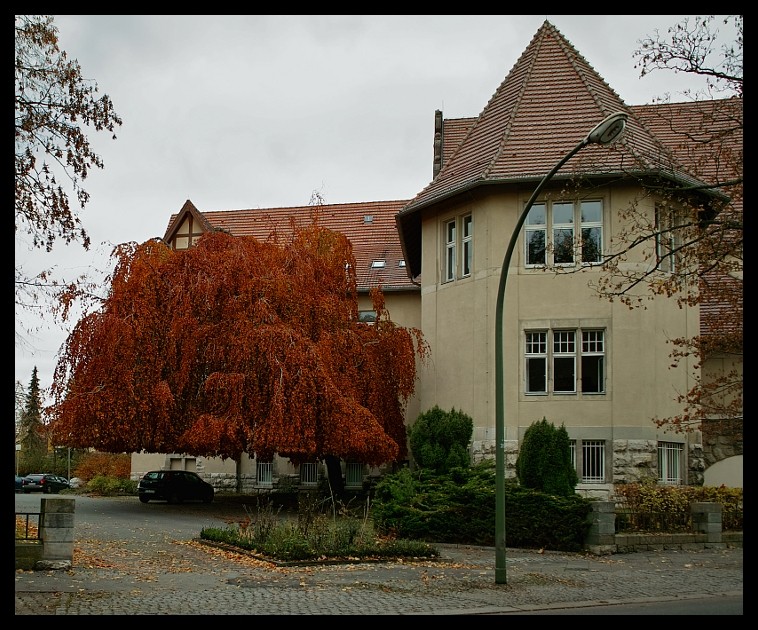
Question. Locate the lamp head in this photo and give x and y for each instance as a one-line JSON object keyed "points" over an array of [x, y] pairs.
{"points": [[608, 130]]}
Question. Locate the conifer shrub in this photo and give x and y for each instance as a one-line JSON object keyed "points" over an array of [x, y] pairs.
{"points": [[544, 460], [439, 440]]}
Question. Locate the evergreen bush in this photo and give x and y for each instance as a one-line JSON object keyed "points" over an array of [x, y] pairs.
{"points": [[439, 440]]}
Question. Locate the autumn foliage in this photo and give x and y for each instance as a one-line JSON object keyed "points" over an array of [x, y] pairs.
{"points": [[238, 346]]}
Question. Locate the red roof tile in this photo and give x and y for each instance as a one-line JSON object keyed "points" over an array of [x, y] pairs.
{"points": [[370, 227]]}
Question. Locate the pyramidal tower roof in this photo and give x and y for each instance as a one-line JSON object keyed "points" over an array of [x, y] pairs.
{"points": [[544, 107]]}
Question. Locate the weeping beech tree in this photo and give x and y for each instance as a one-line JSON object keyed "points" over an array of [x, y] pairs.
{"points": [[238, 346]]}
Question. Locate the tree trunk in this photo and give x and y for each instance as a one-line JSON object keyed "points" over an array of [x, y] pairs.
{"points": [[334, 473]]}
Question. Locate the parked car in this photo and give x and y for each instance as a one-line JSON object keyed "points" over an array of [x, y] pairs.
{"points": [[45, 483], [174, 486], [20, 482]]}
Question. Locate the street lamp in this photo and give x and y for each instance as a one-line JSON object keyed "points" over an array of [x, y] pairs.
{"points": [[605, 132]]}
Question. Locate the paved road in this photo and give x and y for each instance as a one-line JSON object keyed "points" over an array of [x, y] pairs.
{"points": [[155, 566]]}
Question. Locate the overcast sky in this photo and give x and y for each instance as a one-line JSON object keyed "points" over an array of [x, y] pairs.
{"points": [[250, 111]]}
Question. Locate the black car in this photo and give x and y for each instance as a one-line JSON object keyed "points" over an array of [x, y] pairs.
{"points": [[45, 483], [174, 486]]}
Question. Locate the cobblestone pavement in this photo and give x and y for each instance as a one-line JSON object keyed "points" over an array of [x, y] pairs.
{"points": [[170, 577]]}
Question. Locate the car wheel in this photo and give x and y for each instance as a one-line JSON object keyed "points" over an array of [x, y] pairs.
{"points": [[144, 499]]}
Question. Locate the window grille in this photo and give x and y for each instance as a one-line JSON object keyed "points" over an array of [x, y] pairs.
{"points": [[308, 474], [593, 461], [265, 473], [353, 475], [669, 463]]}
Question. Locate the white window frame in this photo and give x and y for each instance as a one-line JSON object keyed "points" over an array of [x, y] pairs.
{"points": [[450, 253], [458, 235], [670, 463], [578, 349], [467, 244], [564, 351], [587, 214], [535, 353], [665, 239], [309, 474], [593, 461], [593, 351], [264, 474], [353, 475], [591, 225]]}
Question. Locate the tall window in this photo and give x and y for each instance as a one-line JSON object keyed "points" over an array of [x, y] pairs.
{"points": [[559, 219], [309, 474], [569, 363], [264, 473], [450, 244], [536, 362], [593, 461], [458, 236], [564, 361], [593, 361], [665, 239], [468, 248], [669, 463]]}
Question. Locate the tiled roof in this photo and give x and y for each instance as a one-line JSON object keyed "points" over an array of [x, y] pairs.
{"points": [[707, 138], [544, 107], [373, 239]]}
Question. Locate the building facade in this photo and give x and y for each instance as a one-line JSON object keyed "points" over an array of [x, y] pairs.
{"points": [[593, 365]]}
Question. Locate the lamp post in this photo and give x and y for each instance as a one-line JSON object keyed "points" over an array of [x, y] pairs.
{"points": [[605, 132]]}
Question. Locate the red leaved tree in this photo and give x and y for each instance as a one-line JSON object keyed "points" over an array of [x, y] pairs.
{"points": [[238, 346]]}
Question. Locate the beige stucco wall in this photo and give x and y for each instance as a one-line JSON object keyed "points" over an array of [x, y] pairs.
{"points": [[458, 321]]}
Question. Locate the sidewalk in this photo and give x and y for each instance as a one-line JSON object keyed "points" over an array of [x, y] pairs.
{"points": [[165, 577]]}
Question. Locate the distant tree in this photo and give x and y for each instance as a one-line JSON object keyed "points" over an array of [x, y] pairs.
{"points": [[692, 250], [32, 433], [544, 460], [54, 102], [238, 346], [439, 440]]}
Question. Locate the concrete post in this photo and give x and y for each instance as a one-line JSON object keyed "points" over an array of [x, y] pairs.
{"points": [[56, 528]]}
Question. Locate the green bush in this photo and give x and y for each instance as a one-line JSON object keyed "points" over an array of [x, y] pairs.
{"points": [[439, 440], [459, 507], [109, 486], [544, 460]]}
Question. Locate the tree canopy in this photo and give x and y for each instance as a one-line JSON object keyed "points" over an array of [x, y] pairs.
{"points": [[238, 346], [54, 104]]}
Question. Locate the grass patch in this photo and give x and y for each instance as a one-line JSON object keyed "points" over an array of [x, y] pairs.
{"points": [[315, 535]]}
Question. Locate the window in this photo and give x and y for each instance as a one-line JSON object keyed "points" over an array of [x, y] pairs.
{"points": [[666, 238], [536, 362], [264, 473], [559, 219], [464, 227], [467, 245], [593, 362], [564, 361], [308, 474], [669, 463], [564, 357], [188, 233], [378, 264], [353, 475], [367, 317], [450, 251], [591, 467]]}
